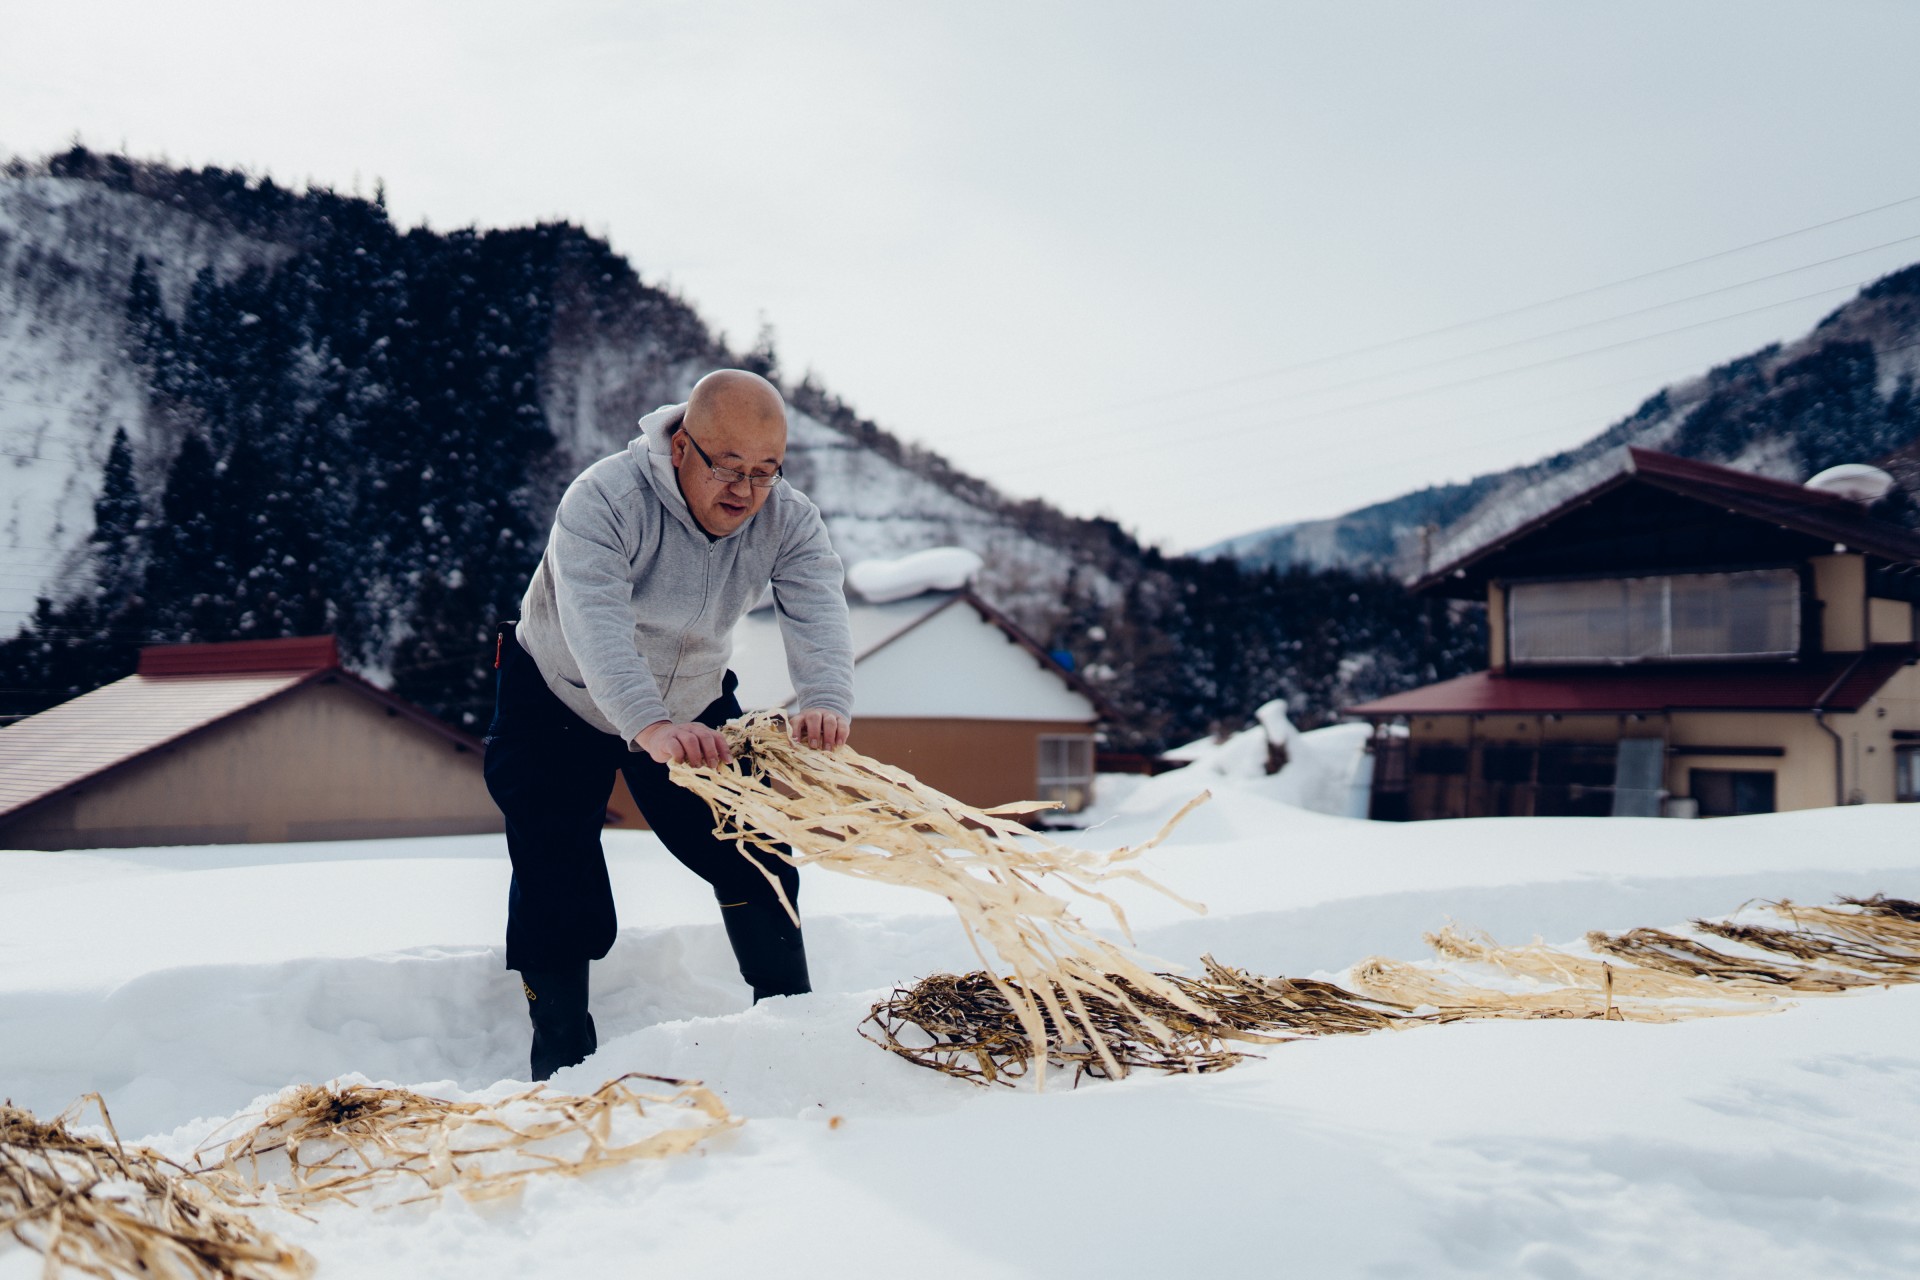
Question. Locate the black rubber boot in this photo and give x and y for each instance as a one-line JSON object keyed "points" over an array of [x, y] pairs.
{"points": [[563, 1031], [769, 947]]}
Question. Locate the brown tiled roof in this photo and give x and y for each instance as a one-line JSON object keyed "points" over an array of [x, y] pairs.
{"points": [[65, 745], [178, 691], [1824, 516], [1831, 682]]}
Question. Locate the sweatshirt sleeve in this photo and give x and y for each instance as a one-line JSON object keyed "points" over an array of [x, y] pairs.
{"points": [[811, 602], [592, 559]]}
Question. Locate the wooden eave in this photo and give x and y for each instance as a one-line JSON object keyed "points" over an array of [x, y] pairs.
{"points": [[1822, 519]]}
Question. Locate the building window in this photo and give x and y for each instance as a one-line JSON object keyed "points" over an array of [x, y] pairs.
{"points": [[1906, 774], [1066, 769], [1664, 618], [1725, 793]]}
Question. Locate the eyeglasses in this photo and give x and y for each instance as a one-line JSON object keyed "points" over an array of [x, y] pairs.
{"points": [[727, 475]]}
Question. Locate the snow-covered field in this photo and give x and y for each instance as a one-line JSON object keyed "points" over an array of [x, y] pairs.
{"points": [[186, 983]]}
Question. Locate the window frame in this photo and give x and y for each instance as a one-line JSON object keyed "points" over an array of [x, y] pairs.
{"points": [[1512, 589], [1074, 790], [1906, 773]]}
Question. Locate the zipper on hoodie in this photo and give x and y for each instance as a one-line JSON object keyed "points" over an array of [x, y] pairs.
{"points": [[706, 601]]}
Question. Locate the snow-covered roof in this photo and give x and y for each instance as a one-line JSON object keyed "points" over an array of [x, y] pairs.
{"points": [[934, 569], [940, 654]]}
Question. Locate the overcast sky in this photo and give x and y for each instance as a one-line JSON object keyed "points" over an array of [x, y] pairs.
{"points": [[1169, 263]]}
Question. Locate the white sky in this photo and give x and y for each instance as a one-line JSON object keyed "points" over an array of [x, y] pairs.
{"points": [[1081, 249]]}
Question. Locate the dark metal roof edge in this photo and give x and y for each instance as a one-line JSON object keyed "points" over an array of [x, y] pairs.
{"points": [[1689, 480], [1896, 656], [1102, 708], [1435, 577]]}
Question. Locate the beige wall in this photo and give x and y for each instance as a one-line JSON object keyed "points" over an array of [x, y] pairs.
{"points": [[1890, 621], [1803, 777], [980, 762], [1804, 772], [321, 763], [1840, 582]]}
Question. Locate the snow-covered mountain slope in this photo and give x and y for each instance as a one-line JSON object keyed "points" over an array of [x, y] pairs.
{"points": [[1846, 392], [67, 253], [616, 349], [337, 425]]}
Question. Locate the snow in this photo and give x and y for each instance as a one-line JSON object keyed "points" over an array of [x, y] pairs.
{"points": [[186, 984], [903, 577], [67, 251], [1326, 770]]}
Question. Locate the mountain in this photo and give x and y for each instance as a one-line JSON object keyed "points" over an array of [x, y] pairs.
{"points": [[1846, 392], [229, 409]]}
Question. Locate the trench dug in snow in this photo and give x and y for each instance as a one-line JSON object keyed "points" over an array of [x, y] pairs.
{"points": [[184, 984]]}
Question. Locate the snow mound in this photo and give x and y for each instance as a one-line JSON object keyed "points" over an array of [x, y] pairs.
{"points": [[1324, 771], [935, 569]]}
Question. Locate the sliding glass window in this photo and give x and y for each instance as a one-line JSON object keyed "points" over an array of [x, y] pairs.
{"points": [[1665, 618]]}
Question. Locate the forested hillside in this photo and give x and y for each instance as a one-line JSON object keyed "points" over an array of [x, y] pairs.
{"points": [[235, 410]]}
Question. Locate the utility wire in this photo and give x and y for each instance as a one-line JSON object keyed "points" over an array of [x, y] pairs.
{"points": [[1079, 446], [1457, 325], [1369, 379], [1320, 474]]}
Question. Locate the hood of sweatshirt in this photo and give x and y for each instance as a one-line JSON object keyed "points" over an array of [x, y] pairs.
{"points": [[652, 454]]}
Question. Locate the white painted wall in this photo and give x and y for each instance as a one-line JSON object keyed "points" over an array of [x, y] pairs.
{"points": [[958, 665], [955, 664]]}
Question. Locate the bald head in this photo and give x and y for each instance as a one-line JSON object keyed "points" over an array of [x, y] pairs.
{"points": [[738, 422], [735, 396]]}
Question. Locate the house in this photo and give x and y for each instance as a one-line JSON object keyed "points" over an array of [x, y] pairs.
{"points": [[945, 686], [254, 741], [1679, 638]]}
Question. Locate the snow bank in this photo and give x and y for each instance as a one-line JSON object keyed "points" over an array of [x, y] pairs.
{"points": [[1324, 770], [187, 983]]}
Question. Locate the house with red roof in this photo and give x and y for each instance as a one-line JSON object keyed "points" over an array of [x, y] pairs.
{"points": [[1677, 638], [245, 742]]}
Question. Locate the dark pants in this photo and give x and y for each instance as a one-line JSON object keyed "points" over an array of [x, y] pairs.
{"points": [[551, 773]]}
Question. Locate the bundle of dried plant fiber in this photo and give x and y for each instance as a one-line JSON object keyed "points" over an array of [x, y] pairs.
{"points": [[962, 1026], [103, 1209], [844, 812], [361, 1144]]}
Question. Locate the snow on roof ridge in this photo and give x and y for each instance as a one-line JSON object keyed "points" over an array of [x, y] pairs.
{"points": [[902, 578]]}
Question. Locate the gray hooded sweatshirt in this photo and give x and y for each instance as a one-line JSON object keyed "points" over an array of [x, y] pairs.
{"points": [[630, 615]]}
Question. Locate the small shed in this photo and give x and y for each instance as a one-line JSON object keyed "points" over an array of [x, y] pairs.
{"points": [[247, 742]]}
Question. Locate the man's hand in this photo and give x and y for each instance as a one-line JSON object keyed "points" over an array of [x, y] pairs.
{"points": [[696, 744], [823, 730]]}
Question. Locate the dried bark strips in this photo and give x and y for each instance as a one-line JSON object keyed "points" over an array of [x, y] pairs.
{"points": [[960, 1025], [853, 815], [106, 1210]]}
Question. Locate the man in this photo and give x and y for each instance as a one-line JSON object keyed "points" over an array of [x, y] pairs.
{"points": [[618, 663]]}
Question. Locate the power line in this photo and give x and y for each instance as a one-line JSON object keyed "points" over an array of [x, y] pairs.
{"points": [[1455, 326], [1321, 474], [1369, 379], [1043, 449]]}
